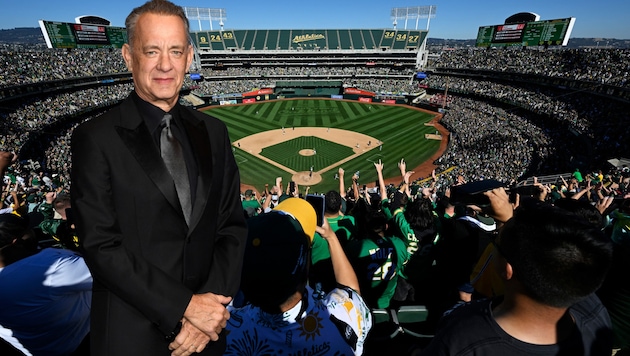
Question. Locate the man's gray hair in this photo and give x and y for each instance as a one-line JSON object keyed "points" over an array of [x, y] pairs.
{"points": [[159, 7]]}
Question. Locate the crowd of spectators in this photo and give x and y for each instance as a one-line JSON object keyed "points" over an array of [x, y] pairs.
{"points": [[483, 134], [535, 133], [306, 70], [379, 85], [489, 142], [436, 240], [601, 123], [35, 113], [609, 66], [24, 65]]}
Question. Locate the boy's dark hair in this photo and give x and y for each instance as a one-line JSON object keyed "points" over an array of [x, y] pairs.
{"points": [[376, 222], [419, 213], [557, 256], [333, 202]]}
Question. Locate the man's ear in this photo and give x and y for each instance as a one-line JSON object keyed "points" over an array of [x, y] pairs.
{"points": [[509, 272], [127, 56]]}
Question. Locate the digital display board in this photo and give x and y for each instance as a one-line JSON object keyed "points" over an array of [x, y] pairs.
{"points": [[74, 35], [536, 33]]}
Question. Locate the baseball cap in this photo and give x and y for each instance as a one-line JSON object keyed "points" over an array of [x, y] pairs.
{"points": [[277, 258], [249, 193], [302, 211]]}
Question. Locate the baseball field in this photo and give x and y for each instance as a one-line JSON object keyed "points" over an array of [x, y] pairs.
{"points": [[307, 140]]}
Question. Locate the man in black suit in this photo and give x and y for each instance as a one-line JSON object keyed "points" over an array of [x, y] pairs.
{"points": [[165, 245]]}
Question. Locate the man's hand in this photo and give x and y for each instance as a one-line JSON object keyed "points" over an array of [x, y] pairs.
{"points": [[402, 166], [406, 176], [378, 166], [50, 197], [207, 312], [500, 206], [603, 204], [189, 340]]}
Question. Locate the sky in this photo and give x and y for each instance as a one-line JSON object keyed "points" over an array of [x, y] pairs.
{"points": [[454, 19]]}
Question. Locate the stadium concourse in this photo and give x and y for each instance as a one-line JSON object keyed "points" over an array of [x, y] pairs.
{"points": [[510, 114]]}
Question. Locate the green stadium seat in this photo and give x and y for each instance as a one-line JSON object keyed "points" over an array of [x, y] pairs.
{"points": [[406, 320], [411, 318]]}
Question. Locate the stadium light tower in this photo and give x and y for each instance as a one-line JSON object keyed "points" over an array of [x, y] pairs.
{"points": [[413, 13], [202, 13], [416, 13]]}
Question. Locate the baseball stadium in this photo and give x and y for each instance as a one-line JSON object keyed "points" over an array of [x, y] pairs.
{"points": [[324, 107]]}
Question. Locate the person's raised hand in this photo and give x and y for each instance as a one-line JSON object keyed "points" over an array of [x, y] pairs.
{"points": [[379, 166], [407, 176], [50, 197], [500, 207], [603, 204], [402, 166]]}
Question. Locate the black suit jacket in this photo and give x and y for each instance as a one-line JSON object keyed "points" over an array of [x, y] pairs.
{"points": [[145, 261]]}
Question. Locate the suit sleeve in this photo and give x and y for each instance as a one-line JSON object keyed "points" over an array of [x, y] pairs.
{"points": [[231, 228], [116, 267]]}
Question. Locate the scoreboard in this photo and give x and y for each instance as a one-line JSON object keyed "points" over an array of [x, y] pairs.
{"points": [[536, 33], [75, 35]]}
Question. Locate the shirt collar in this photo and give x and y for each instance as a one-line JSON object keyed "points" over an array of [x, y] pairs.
{"points": [[151, 114]]}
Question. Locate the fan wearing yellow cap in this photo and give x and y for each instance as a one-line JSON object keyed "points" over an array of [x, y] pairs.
{"points": [[283, 313]]}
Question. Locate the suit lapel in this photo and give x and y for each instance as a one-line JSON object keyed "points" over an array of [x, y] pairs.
{"points": [[136, 136], [200, 142]]}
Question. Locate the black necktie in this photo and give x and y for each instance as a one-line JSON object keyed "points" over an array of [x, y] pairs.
{"points": [[173, 156]]}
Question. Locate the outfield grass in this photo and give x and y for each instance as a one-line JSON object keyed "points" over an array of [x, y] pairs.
{"points": [[400, 128]]}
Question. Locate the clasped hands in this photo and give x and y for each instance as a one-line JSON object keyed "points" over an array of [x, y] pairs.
{"points": [[204, 319]]}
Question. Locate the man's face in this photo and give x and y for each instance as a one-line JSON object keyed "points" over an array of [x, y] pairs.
{"points": [[159, 59]]}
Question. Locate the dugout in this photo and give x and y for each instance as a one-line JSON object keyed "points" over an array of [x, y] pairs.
{"points": [[308, 88]]}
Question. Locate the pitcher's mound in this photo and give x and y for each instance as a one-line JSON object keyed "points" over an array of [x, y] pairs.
{"points": [[306, 178], [306, 152]]}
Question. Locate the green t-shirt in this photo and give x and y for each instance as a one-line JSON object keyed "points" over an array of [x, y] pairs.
{"points": [[377, 264], [251, 205], [321, 267], [344, 227]]}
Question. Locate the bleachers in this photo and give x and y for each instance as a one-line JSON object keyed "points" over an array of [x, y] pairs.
{"points": [[272, 40], [260, 38], [368, 39], [284, 40], [345, 40], [245, 39], [333, 39], [357, 39], [229, 39]]}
